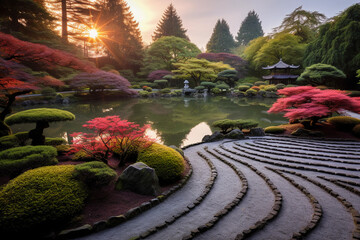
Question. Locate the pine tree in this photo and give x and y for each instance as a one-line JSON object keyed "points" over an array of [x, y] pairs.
{"points": [[221, 39], [123, 41], [250, 29], [170, 25]]}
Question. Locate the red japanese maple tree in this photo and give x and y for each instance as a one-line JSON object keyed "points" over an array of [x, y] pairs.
{"points": [[311, 103], [158, 75], [111, 135]]}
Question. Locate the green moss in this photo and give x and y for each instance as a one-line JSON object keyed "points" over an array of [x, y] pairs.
{"points": [[42, 199], [9, 141], [81, 156], [274, 129], [167, 162], [16, 160], [54, 141], [344, 123], [95, 174], [356, 130], [39, 114]]}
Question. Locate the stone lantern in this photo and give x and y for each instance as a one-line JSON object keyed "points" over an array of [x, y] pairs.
{"points": [[186, 84]]}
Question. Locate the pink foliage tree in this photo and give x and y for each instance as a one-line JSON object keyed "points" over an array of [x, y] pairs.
{"points": [[111, 135], [38, 56], [310, 103], [158, 75], [100, 80]]}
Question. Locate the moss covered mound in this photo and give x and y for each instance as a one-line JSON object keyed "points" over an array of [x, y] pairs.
{"points": [[95, 174], [274, 129], [344, 123], [41, 199], [13, 140], [167, 162], [39, 114], [19, 159]]}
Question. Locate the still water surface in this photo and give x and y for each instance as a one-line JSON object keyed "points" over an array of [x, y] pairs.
{"points": [[174, 121]]}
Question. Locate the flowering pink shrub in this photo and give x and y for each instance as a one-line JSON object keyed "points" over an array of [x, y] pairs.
{"points": [[311, 103], [111, 135]]}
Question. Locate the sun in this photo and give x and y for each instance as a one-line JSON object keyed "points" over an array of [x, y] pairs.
{"points": [[93, 33]]}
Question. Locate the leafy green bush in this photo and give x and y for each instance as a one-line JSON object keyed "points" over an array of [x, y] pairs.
{"points": [[280, 86], [18, 159], [249, 80], [135, 86], [226, 125], [291, 85], [22, 137], [147, 89], [167, 162], [9, 141], [261, 93], [199, 88], [243, 88], [45, 198], [356, 130], [208, 85], [344, 123], [270, 88], [48, 93], [248, 84], [215, 90], [165, 91], [258, 83], [251, 92], [95, 174], [246, 124], [39, 114], [223, 86], [274, 129], [62, 149], [82, 156], [54, 141], [144, 94], [161, 83]]}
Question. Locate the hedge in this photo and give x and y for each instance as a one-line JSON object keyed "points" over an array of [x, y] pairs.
{"points": [[18, 159], [94, 174], [41, 199], [167, 162]]}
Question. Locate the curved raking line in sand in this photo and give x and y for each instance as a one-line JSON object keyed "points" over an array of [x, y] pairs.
{"points": [[259, 188]]}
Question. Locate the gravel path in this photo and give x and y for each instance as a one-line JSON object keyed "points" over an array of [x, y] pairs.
{"points": [[259, 188]]}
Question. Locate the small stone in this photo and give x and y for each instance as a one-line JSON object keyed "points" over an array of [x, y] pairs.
{"points": [[76, 232]]}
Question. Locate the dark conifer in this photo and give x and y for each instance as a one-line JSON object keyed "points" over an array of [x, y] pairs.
{"points": [[250, 29], [221, 39], [170, 25]]}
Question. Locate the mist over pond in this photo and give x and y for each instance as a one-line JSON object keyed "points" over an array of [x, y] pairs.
{"points": [[174, 121]]}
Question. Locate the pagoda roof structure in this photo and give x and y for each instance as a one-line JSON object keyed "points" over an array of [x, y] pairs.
{"points": [[281, 65]]}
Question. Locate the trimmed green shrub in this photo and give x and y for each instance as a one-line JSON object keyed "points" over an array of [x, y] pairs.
{"points": [[226, 125], [215, 90], [179, 150], [39, 114], [274, 129], [258, 83], [261, 93], [167, 162], [144, 94], [147, 89], [94, 174], [291, 85], [344, 123], [48, 93], [356, 130], [223, 86], [54, 141], [18, 159], [270, 88], [82, 156], [43, 199], [62, 149], [208, 85], [136, 86], [247, 84], [9, 141], [22, 137], [246, 124], [199, 88], [165, 91], [161, 83], [280, 86], [243, 88], [251, 92]]}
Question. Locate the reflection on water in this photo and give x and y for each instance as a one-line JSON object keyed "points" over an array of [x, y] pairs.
{"points": [[174, 121]]}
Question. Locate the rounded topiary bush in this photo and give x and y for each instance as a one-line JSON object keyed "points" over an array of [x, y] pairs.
{"points": [[39, 200], [167, 162], [19, 159], [344, 123], [95, 173], [54, 141], [356, 130], [243, 88], [274, 129]]}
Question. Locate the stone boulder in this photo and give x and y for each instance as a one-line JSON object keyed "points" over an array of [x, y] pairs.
{"points": [[257, 132], [139, 178], [216, 136], [235, 134]]}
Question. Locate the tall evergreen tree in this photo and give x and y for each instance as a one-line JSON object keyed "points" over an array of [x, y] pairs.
{"points": [[123, 41], [221, 39], [170, 25], [250, 29]]}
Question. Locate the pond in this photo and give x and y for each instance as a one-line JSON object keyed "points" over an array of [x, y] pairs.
{"points": [[174, 121]]}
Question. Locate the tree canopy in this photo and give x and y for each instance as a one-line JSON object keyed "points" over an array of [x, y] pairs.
{"points": [[338, 43], [301, 23], [250, 29], [322, 74], [170, 25], [221, 39], [199, 70], [166, 51]]}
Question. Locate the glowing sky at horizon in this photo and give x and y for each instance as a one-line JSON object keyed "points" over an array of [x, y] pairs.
{"points": [[199, 16]]}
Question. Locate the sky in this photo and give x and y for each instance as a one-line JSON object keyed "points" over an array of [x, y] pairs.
{"points": [[199, 16]]}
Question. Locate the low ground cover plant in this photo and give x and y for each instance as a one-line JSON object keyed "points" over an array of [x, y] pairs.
{"points": [[274, 129], [94, 174], [344, 123]]}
